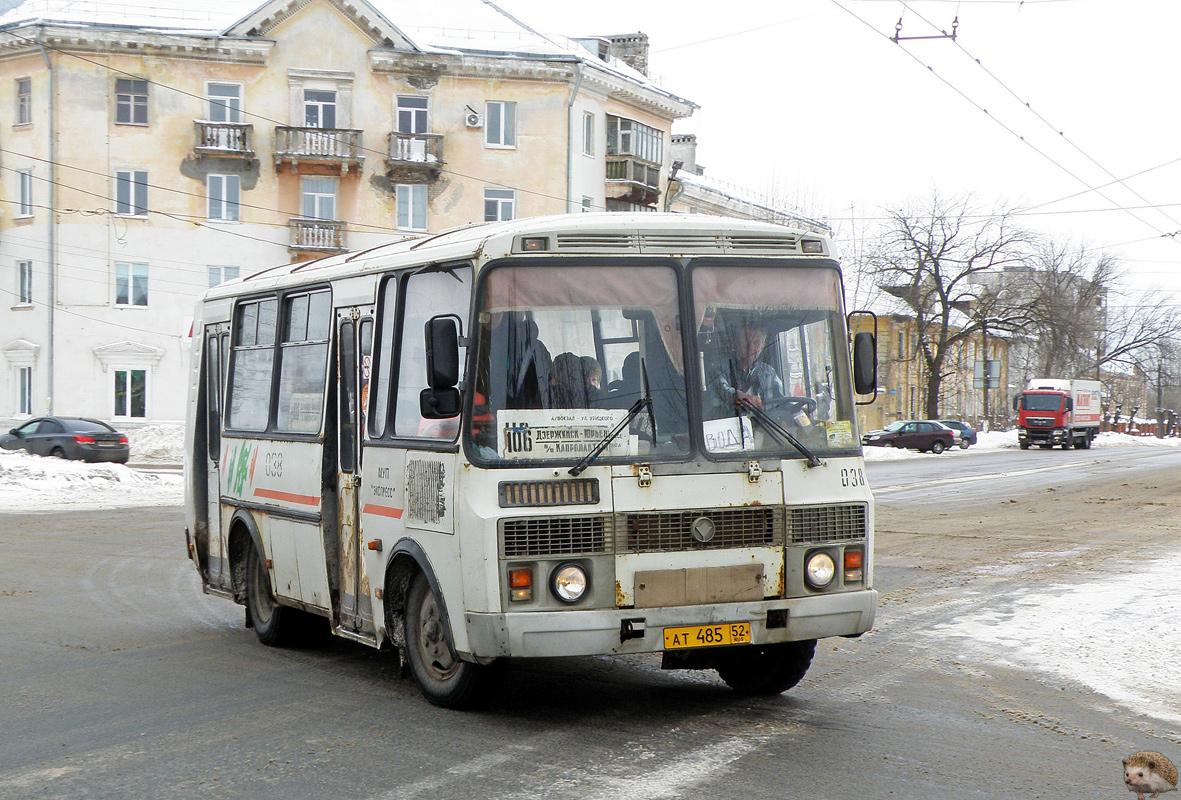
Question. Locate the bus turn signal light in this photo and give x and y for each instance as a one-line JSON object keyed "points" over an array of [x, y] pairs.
{"points": [[854, 559], [520, 581]]}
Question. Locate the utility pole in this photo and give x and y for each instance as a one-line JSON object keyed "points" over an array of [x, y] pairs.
{"points": [[984, 347]]}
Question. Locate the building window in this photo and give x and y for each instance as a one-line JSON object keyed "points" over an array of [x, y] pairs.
{"points": [[500, 124], [25, 282], [225, 102], [627, 206], [24, 397], [319, 108], [224, 196], [219, 275], [131, 193], [318, 198], [626, 137], [499, 205], [131, 396], [412, 115], [131, 284], [131, 101], [24, 101], [412, 206], [26, 193], [588, 204], [588, 133]]}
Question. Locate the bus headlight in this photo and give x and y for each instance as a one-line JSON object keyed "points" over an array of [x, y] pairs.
{"points": [[819, 570], [569, 582]]}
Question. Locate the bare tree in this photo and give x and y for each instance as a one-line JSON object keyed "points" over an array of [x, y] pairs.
{"points": [[936, 255], [1138, 330]]}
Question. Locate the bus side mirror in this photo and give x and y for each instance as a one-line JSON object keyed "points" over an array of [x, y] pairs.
{"points": [[442, 352], [865, 363], [441, 400]]}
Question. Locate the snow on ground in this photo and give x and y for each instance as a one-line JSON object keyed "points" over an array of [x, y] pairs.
{"points": [[32, 483], [1004, 440], [1118, 635]]}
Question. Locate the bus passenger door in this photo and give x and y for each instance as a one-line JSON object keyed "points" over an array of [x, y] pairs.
{"points": [[216, 565], [354, 337]]}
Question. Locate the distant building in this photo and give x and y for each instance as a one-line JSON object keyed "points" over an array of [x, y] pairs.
{"points": [[151, 153], [691, 192]]}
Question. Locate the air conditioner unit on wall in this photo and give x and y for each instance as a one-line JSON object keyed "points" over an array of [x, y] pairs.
{"points": [[473, 119]]}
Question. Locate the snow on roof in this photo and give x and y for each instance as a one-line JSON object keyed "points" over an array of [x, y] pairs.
{"points": [[740, 194], [486, 30]]}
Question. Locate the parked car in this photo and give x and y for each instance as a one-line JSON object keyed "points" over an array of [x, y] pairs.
{"points": [[965, 434], [912, 434], [76, 438]]}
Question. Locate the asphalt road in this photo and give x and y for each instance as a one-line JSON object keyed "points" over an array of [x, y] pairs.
{"points": [[119, 679]]}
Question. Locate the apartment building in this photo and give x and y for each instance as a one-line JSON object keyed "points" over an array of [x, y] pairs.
{"points": [[150, 152]]}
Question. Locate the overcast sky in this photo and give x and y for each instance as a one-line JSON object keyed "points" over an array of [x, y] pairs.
{"points": [[813, 101]]}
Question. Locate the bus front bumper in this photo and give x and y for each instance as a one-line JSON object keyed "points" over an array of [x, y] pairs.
{"points": [[641, 630]]}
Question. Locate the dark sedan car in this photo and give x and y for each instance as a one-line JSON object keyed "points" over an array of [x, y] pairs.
{"points": [[76, 438], [912, 434], [965, 433]]}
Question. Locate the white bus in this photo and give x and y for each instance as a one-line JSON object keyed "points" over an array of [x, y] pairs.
{"points": [[561, 436]]}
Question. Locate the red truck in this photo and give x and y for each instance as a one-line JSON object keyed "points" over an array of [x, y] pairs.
{"points": [[1052, 412]]}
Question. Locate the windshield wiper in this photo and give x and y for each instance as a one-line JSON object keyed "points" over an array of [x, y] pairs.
{"points": [[779, 432], [632, 413]]}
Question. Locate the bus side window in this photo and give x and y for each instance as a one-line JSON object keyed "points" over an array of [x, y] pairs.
{"points": [[387, 313], [255, 324], [213, 395], [303, 361], [428, 294]]}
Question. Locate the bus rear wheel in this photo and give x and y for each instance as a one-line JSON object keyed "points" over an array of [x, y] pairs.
{"points": [[768, 669], [273, 624], [445, 679]]}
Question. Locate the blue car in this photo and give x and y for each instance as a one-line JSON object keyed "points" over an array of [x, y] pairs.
{"points": [[965, 434]]}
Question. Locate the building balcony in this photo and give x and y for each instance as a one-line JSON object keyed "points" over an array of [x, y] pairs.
{"points": [[633, 179], [224, 139], [414, 157], [317, 235], [334, 146]]}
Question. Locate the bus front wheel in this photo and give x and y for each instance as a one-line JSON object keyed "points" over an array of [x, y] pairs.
{"points": [[445, 679], [272, 623], [765, 669]]}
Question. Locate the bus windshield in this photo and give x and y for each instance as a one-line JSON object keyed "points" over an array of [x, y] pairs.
{"points": [[772, 354], [563, 353]]}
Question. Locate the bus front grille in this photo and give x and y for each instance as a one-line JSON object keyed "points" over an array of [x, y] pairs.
{"points": [[671, 531], [817, 524], [550, 536]]}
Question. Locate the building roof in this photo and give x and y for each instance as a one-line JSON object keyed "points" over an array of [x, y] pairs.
{"points": [[726, 194], [486, 29]]}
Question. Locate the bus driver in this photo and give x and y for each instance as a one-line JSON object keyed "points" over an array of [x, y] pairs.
{"points": [[742, 376]]}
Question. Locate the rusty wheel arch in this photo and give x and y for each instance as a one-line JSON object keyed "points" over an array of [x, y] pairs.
{"points": [[243, 535]]}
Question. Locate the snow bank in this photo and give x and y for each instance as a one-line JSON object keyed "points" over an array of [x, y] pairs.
{"points": [[1004, 440], [33, 483], [163, 444]]}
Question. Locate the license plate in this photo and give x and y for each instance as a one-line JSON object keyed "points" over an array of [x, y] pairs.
{"points": [[707, 635]]}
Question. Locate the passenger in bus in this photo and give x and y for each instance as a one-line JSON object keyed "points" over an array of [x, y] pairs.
{"points": [[593, 373], [743, 376], [568, 382]]}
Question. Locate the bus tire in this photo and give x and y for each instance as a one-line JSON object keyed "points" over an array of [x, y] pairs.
{"points": [[768, 669], [444, 678], [273, 624]]}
